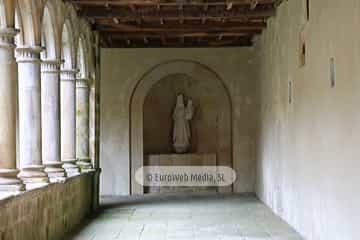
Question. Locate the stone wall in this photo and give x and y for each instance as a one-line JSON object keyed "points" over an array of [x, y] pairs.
{"points": [[211, 115], [121, 73], [308, 157], [46, 213]]}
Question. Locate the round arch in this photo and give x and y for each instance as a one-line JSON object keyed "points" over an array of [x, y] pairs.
{"points": [[144, 85]]}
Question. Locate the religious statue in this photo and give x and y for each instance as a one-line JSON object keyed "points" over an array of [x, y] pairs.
{"points": [[181, 116]]}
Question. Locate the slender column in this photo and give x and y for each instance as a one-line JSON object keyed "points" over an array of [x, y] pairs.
{"points": [[82, 124], [68, 122], [32, 170], [8, 107], [50, 114]]}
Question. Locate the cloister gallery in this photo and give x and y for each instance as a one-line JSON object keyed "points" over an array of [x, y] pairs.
{"points": [[179, 119]]}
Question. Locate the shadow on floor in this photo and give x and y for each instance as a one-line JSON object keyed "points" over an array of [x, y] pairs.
{"points": [[166, 198], [188, 216]]}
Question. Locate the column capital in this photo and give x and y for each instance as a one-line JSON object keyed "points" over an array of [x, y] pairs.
{"points": [[82, 83], [68, 74], [7, 36], [28, 54], [51, 65]]}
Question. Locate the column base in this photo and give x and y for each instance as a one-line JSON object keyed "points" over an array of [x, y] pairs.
{"points": [[55, 172], [84, 164], [33, 176], [70, 167], [9, 181]]}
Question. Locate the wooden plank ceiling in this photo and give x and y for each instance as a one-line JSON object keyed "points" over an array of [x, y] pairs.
{"points": [[176, 23]]}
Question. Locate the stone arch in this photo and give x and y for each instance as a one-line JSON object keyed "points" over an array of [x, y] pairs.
{"points": [[87, 39], [70, 18], [3, 20], [30, 18], [144, 85], [19, 38], [67, 46], [81, 59], [93, 96], [91, 57], [49, 35]]}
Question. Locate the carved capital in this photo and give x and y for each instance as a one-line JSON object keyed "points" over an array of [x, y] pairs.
{"points": [[82, 83], [68, 75], [7, 37], [51, 66], [28, 54]]}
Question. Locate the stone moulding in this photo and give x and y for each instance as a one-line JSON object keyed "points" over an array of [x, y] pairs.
{"points": [[28, 54], [68, 75], [82, 83], [51, 66], [85, 164], [9, 182], [7, 37]]}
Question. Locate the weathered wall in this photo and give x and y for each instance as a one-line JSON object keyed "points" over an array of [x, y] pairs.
{"points": [[210, 126], [308, 158], [211, 116], [48, 212], [122, 70]]}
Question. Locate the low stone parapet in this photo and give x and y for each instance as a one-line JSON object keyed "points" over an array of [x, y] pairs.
{"points": [[49, 212]]}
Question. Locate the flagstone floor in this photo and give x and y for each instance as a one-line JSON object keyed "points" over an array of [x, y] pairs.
{"points": [[188, 217]]}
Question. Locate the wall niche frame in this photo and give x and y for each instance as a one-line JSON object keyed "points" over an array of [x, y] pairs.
{"points": [[144, 85]]}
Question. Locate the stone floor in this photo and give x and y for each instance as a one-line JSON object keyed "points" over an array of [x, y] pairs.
{"points": [[190, 217]]}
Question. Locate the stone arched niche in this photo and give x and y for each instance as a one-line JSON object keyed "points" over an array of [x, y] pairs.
{"points": [[212, 123]]}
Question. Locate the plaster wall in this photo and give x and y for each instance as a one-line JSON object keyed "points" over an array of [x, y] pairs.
{"points": [[308, 157], [121, 71]]}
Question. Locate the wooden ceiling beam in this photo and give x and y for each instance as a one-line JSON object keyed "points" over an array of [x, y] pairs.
{"points": [[203, 19], [141, 36], [176, 23], [163, 20], [163, 40], [133, 8], [169, 3], [126, 15], [169, 26], [243, 42], [181, 33]]}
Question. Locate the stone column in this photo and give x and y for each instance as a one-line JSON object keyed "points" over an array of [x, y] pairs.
{"points": [[68, 122], [82, 124], [32, 170], [8, 108], [50, 113]]}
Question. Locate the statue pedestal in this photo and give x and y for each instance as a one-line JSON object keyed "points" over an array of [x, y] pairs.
{"points": [[192, 159]]}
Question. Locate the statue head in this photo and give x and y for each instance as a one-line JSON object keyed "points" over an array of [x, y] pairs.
{"points": [[180, 101]]}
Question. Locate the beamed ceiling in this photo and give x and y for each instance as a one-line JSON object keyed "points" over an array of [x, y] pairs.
{"points": [[176, 23]]}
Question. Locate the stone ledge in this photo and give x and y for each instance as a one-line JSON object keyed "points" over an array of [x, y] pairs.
{"points": [[47, 212], [6, 196]]}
